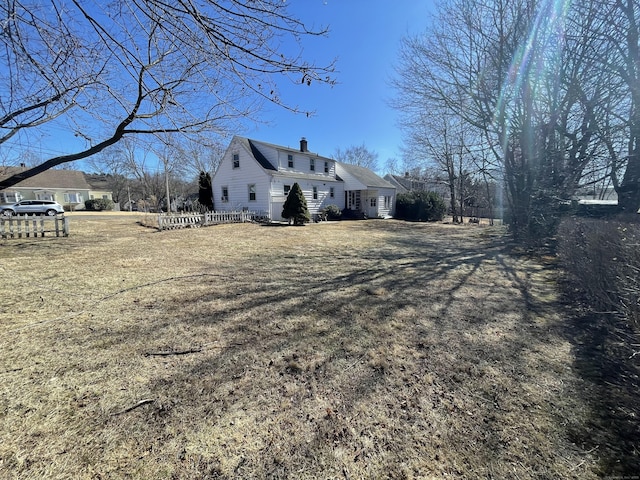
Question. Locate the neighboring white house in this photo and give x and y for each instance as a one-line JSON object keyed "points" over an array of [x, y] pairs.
{"points": [[257, 176]]}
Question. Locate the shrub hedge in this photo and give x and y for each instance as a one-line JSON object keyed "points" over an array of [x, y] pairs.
{"points": [[420, 206], [98, 204]]}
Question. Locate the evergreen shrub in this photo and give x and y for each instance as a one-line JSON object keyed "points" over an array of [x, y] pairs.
{"points": [[420, 207], [331, 212], [295, 206], [98, 204]]}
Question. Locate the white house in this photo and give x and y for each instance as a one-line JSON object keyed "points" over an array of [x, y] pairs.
{"points": [[257, 176]]}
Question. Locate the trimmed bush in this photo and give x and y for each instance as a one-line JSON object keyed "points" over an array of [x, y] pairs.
{"points": [[98, 204], [331, 212], [420, 207]]}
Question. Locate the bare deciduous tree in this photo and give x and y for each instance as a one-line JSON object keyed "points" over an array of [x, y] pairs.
{"points": [[112, 70], [525, 77], [357, 155]]}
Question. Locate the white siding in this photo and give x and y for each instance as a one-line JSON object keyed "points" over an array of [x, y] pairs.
{"points": [[237, 180], [301, 162], [386, 192], [314, 205]]}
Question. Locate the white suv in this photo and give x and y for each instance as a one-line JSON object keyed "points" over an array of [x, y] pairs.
{"points": [[26, 207]]}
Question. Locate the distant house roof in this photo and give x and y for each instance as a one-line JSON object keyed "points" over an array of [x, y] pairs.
{"points": [[63, 179], [366, 176], [406, 183], [98, 181]]}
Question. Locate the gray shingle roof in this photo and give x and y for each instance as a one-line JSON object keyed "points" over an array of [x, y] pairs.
{"points": [[366, 176], [67, 179]]}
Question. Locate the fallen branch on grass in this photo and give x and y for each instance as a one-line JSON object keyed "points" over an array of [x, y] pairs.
{"points": [[173, 352], [157, 282], [133, 407]]}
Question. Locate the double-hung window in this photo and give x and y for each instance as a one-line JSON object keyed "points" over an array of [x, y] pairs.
{"points": [[225, 194], [236, 160], [326, 167], [315, 193], [290, 161], [252, 192], [73, 198], [287, 189], [312, 164], [331, 192]]}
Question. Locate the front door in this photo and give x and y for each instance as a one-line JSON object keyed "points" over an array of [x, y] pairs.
{"points": [[372, 210], [353, 199]]}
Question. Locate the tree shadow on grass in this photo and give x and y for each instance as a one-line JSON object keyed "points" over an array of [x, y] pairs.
{"points": [[420, 356]]}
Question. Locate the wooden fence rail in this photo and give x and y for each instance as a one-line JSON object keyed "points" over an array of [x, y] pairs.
{"points": [[192, 220], [20, 226]]}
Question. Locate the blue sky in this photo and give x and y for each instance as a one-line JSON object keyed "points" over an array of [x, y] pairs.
{"points": [[364, 37]]}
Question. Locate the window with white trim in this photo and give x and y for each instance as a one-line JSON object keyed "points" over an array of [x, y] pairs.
{"points": [[252, 192], [331, 192], [287, 189], [312, 164], [374, 201], [326, 167], [315, 193], [225, 195], [73, 198], [290, 161], [236, 160], [10, 197]]}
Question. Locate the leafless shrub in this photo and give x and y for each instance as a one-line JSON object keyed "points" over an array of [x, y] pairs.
{"points": [[602, 260]]}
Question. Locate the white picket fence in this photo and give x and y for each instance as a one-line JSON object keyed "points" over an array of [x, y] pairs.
{"points": [[193, 220], [20, 226]]}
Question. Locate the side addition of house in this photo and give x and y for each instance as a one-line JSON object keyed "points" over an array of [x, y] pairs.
{"points": [[257, 176]]}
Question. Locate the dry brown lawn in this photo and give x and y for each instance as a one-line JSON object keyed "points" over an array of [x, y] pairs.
{"points": [[374, 349]]}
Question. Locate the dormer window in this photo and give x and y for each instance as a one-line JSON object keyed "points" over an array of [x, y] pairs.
{"points": [[290, 161], [326, 167], [236, 160], [312, 164]]}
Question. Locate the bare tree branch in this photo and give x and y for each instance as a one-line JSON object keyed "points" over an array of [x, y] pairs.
{"points": [[136, 67]]}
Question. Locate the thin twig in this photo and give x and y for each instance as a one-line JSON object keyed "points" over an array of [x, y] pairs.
{"points": [[13, 370], [173, 352], [163, 280], [139, 404]]}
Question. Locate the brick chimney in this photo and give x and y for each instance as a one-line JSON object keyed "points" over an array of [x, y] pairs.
{"points": [[303, 145]]}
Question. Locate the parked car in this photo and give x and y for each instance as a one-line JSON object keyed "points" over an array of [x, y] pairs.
{"points": [[31, 207]]}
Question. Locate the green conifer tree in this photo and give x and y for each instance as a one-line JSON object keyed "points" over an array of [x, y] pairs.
{"points": [[205, 192], [295, 206]]}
